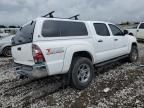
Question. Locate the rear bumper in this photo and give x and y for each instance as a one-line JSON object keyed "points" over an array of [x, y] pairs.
{"points": [[35, 71]]}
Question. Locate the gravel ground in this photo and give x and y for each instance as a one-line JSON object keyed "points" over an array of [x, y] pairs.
{"points": [[119, 84]]}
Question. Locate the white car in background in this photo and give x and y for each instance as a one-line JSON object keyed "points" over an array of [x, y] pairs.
{"points": [[138, 32], [4, 35], [5, 45]]}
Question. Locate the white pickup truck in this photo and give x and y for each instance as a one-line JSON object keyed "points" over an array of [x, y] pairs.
{"points": [[54, 46], [138, 32]]}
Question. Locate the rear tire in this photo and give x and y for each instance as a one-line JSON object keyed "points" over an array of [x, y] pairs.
{"points": [[134, 55], [82, 72], [7, 52]]}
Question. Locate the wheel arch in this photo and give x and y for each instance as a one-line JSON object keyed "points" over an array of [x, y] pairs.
{"points": [[131, 45], [134, 44], [132, 59], [77, 51], [83, 54]]}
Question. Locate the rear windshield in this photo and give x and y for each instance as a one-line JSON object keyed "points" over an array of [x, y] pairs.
{"points": [[63, 29], [24, 35]]}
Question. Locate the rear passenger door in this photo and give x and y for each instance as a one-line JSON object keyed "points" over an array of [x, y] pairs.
{"points": [[103, 42], [120, 41]]}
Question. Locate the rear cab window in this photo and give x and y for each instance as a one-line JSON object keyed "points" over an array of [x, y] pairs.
{"points": [[53, 28], [24, 34]]}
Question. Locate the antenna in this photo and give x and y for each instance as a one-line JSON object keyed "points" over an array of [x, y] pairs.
{"points": [[49, 14], [76, 17]]}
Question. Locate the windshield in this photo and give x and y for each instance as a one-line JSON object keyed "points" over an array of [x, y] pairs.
{"points": [[24, 34]]}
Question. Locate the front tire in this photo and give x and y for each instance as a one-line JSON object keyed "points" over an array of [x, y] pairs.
{"points": [[82, 72], [7, 52], [134, 55]]}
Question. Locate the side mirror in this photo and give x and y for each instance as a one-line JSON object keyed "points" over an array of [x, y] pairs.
{"points": [[125, 32]]}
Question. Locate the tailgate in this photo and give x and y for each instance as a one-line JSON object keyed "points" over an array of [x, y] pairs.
{"points": [[22, 54], [22, 45]]}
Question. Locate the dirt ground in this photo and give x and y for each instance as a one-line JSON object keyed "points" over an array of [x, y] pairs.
{"points": [[118, 85]]}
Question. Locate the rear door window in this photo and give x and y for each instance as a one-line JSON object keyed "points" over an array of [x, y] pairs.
{"points": [[24, 34], [101, 29], [63, 29]]}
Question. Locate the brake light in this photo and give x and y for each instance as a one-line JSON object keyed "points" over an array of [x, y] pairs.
{"points": [[37, 54]]}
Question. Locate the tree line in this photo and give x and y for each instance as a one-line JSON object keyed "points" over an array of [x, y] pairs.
{"points": [[11, 26]]}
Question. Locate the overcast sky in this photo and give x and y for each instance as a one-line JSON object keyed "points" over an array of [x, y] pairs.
{"points": [[20, 11]]}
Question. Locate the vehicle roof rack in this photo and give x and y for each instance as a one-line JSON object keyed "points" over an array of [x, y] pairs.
{"points": [[49, 14], [76, 17]]}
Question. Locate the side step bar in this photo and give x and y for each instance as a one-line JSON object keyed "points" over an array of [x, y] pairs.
{"points": [[110, 61]]}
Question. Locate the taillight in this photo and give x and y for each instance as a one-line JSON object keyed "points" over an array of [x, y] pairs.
{"points": [[37, 54]]}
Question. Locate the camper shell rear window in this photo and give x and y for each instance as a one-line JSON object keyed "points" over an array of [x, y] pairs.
{"points": [[24, 34]]}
